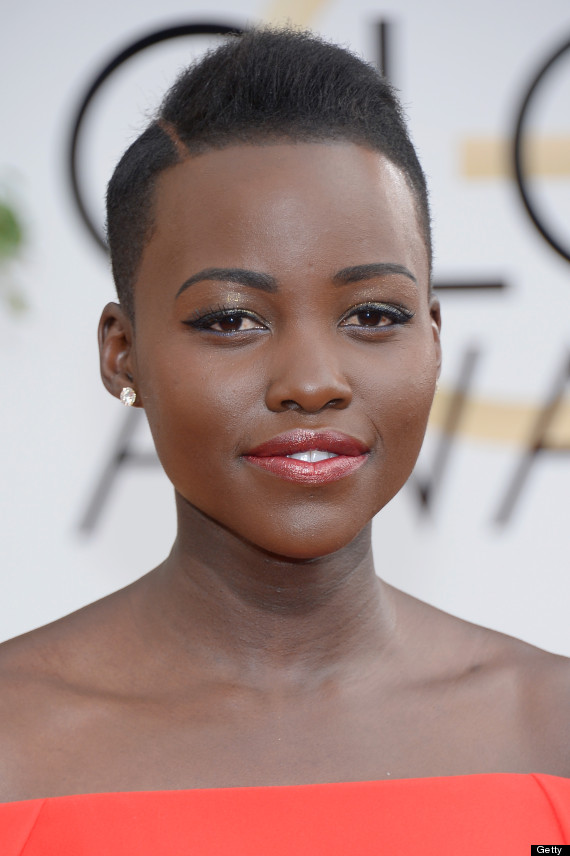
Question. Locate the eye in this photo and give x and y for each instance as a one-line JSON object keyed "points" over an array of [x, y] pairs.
{"points": [[376, 315], [234, 323], [225, 320]]}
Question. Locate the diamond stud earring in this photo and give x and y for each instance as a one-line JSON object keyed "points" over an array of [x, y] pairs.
{"points": [[128, 396]]}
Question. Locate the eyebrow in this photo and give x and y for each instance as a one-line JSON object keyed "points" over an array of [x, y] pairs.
{"points": [[362, 272], [251, 278], [266, 282]]}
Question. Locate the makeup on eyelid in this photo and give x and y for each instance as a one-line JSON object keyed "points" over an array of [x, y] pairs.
{"points": [[205, 319]]}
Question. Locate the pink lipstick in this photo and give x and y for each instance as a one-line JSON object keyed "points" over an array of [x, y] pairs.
{"points": [[309, 457]]}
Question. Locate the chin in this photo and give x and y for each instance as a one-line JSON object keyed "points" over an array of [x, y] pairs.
{"points": [[309, 545]]}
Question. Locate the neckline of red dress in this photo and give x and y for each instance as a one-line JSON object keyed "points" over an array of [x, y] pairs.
{"points": [[307, 785]]}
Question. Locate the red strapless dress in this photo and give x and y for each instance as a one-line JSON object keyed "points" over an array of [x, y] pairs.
{"points": [[496, 813]]}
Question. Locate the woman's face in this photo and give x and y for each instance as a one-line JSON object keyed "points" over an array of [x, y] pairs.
{"points": [[282, 307]]}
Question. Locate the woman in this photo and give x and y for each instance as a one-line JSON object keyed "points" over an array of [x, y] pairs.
{"points": [[270, 241]]}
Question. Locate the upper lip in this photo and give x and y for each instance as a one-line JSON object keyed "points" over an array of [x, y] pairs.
{"points": [[303, 440]]}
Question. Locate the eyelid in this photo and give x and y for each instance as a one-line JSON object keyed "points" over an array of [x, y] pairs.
{"points": [[391, 310], [204, 319]]}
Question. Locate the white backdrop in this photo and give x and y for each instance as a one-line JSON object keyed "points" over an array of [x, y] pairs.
{"points": [[462, 70]]}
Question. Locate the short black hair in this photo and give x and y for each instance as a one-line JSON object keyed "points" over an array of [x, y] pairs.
{"points": [[263, 86]]}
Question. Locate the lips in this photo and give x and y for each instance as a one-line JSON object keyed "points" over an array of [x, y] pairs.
{"points": [[323, 456]]}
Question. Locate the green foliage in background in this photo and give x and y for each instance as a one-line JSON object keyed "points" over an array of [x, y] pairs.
{"points": [[11, 236], [11, 243]]}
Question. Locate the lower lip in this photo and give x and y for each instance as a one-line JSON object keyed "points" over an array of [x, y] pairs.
{"points": [[302, 472]]}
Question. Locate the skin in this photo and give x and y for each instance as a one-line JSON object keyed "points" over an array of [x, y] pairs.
{"points": [[265, 650]]}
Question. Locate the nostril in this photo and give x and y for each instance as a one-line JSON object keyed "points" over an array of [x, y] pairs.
{"points": [[291, 404]]}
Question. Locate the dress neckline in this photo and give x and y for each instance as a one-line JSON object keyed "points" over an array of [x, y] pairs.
{"points": [[307, 786]]}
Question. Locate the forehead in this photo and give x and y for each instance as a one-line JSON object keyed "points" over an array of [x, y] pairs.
{"points": [[283, 207]]}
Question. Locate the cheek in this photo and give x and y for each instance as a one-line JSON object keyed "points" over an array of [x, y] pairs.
{"points": [[401, 406], [199, 412], [406, 436]]}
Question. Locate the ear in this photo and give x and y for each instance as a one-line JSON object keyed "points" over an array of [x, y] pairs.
{"points": [[435, 314], [116, 351]]}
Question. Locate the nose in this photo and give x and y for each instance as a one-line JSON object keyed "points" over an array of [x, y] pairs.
{"points": [[306, 375]]}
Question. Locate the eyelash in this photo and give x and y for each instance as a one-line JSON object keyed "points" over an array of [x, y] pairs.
{"points": [[204, 319], [398, 315]]}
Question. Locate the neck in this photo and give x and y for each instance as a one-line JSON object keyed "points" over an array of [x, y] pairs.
{"points": [[244, 609]]}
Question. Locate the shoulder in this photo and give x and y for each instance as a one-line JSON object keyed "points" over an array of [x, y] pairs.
{"points": [[462, 645], [30, 693], [507, 687], [53, 682], [544, 687], [533, 686], [76, 653], [50, 653], [540, 678]]}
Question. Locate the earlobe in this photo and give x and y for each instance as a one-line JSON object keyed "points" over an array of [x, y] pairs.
{"points": [[116, 354]]}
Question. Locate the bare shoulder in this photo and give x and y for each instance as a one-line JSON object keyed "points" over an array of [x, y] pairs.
{"points": [[543, 677], [537, 691], [540, 683], [53, 653], [542, 680], [51, 681], [520, 685], [51, 660]]}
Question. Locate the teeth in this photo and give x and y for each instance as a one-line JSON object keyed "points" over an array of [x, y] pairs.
{"points": [[312, 456]]}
